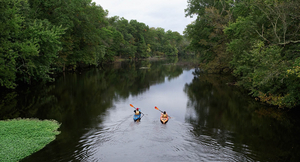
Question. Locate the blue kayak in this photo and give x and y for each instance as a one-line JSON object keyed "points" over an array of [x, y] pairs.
{"points": [[137, 117]]}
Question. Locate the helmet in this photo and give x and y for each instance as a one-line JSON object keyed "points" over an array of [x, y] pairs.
{"points": [[164, 112], [137, 108]]}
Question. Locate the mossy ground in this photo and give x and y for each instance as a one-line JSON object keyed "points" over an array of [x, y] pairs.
{"points": [[22, 137]]}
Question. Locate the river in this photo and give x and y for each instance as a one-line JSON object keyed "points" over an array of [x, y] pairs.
{"points": [[210, 120]]}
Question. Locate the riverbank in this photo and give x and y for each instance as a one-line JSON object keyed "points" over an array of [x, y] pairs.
{"points": [[23, 137], [154, 58]]}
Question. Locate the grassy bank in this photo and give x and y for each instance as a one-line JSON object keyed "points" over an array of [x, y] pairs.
{"points": [[22, 137]]}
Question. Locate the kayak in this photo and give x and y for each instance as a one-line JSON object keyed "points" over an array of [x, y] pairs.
{"points": [[163, 119], [137, 117]]}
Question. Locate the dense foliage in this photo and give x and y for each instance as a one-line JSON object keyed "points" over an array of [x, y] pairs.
{"points": [[257, 40], [40, 38]]}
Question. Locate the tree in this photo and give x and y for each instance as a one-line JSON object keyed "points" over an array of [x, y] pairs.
{"points": [[206, 33], [28, 46], [10, 27], [264, 46]]}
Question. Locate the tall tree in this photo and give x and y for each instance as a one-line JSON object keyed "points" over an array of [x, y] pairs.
{"points": [[28, 46], [206, 33], [264, 45]]}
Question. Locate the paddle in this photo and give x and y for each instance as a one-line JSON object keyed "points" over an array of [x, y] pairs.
{"points": [[160, 111], [135, 108], [132, 106]]}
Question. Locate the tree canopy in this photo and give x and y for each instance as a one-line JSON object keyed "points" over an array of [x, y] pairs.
{"points": [[41, 38], [257, 40]]}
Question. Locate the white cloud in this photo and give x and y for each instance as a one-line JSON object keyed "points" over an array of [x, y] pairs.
{"points": [[167, 14]]}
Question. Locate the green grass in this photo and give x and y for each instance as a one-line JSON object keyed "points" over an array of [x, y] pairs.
{"points": [[22, 137]]}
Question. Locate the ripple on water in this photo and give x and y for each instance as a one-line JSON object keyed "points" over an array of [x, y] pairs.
{"points": [[98, 136], [175, 141]]}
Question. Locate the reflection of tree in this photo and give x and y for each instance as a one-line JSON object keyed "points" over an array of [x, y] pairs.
{"points": [[119, 81], [227, 114], [8, 105], [133, 81], [95, 86]]}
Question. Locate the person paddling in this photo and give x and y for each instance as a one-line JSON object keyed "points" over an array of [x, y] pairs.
{"points": [[137, 111], [164, 118], [164, 114]]}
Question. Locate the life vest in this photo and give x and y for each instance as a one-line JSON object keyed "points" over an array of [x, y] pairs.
{"points": [[165, 115], [137, 112]]}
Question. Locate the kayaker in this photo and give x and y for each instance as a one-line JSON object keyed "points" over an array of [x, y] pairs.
{"points": [[164, 114], [137, 111]]}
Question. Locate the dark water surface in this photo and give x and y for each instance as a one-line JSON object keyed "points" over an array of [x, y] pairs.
{"points": [[211, 121]]}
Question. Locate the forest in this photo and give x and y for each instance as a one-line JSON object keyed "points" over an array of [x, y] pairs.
{"points": [[43, 38], [258, 41]]}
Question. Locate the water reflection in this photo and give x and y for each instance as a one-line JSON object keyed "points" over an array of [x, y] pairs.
{"points": [[234, 120], [211, 121], [91, 87]]}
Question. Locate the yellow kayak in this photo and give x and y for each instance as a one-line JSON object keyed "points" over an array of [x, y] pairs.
{"points": [[164, 119]]}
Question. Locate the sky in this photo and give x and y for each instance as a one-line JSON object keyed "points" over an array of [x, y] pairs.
{"points": [[167, 14]]}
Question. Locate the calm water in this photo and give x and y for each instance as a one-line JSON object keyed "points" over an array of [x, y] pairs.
{"points": [[211, 121]]}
